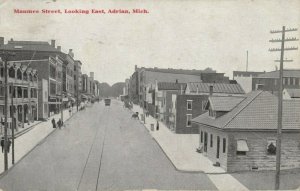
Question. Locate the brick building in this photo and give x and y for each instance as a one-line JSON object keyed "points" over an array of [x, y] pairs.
{"points": [[239, 133], [191, 104], [269, 81]]}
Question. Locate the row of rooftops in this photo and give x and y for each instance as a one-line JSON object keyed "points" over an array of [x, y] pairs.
{"points": [[256, 110]]}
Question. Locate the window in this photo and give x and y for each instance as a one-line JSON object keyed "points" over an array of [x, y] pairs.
{"points": [[201, 137], [25, 93], [242, 147], [189, 120], [224, 145], [271, 147], [211, 140], [189, 104]]}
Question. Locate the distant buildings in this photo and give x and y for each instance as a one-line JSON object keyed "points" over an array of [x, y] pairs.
{"points": [[245, 79], [58, 75]]}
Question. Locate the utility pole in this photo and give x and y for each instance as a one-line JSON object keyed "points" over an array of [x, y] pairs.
{"points": [[279, 128], [13, 125], [247, 62], [5, 55]]}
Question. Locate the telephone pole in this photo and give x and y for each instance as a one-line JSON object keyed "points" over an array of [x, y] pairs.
{"points": [[279, 127], [5, 55]]}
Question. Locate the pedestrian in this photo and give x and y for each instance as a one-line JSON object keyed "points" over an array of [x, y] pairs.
{"points": [[8, 145], [2, 143], [59, 123], [157, 125], [70, 111], [53, 123]]}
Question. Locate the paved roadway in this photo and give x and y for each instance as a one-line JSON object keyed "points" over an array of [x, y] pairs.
{"points": [[100, 148]]}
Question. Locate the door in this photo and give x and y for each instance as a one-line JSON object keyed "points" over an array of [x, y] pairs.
{"points": [[218, 147], [205, 141]]}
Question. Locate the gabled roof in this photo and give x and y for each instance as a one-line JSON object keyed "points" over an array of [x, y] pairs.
{"points": [[286, 73], [29, 46], [217, 88], [224, 103], [170, 86], [294, 93], [257, 111]]}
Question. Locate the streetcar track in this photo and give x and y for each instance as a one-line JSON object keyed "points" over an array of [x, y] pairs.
{"points": [[94, 140]]}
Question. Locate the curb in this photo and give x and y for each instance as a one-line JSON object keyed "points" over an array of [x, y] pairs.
{"points": [[39, 143]]}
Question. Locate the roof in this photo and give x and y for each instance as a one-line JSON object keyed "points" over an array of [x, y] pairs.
{"points": [[179, 71], [286, 73], [256, 112], [170, 86], [294, 93], [217, 88], [29, 46], [224, 103]]}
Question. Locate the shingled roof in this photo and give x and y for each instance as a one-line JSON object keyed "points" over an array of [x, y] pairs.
{"points": [[294, 93], [170, 86], [217, 88], [257, 111], [224, 103]]}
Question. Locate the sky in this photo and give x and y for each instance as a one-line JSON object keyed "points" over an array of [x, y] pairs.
{"points": [[185, 34]]}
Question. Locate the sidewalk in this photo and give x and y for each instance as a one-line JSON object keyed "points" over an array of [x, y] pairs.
{"points": [[181, 150], [26, 142]]}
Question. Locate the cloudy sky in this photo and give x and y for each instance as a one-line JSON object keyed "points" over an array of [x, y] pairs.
{"points": [[175, 34]]}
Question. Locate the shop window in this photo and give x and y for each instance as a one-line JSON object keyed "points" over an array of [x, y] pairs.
{"points": [[271, 147], [25, 93]]}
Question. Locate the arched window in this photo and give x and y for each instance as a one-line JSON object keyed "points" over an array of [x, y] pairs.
{"points": [[19, 74], [25, 77], [11, 72], [30, 77]]}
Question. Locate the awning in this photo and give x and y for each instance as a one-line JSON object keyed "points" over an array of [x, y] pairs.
{"points": [[72, 99], [242, 145]]}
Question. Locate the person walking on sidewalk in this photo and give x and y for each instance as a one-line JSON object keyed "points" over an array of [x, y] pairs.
{"points": [[59, 123], [70, 111], [53, 123], [157, 125], [2, 143], [8, 144]]}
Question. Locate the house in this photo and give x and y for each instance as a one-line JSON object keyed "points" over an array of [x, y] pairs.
{"points": [[290, 93], [188, 105], [240, 133], [269, 81]]}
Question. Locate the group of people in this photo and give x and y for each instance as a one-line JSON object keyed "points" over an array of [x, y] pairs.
{"points": [[8, 144], [59, 123]]}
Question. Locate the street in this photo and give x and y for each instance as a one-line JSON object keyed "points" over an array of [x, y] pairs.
{"points": [[101, 148]]}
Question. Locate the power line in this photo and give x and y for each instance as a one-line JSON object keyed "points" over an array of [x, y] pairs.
{"points": [[279, 127]]}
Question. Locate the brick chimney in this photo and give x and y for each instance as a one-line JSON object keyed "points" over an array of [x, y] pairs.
{"points": [[53, 43], [1, 40], [59, 48], [71, 53], [211, 90]]}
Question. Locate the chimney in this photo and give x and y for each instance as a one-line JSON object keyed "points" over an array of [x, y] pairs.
{"points": [[53, 43], [71, 53], [211, 90], [12, 39], [59, 48], [1, 40]]}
